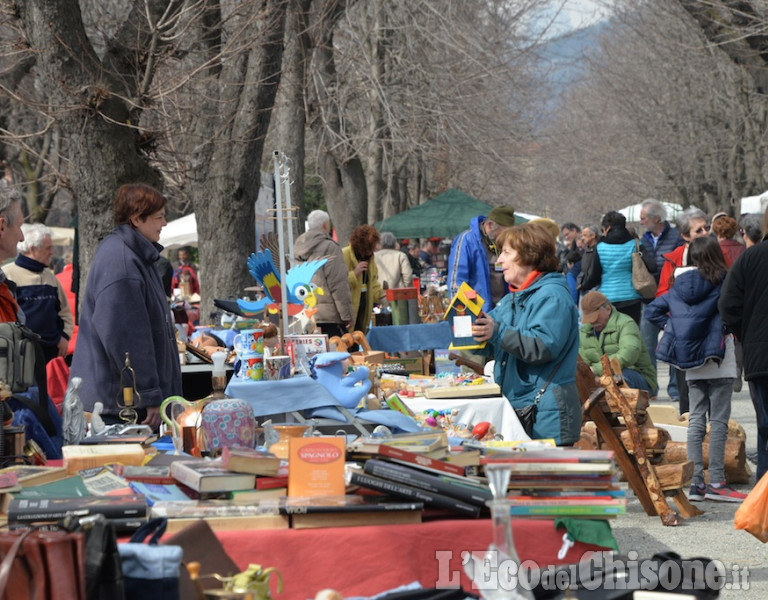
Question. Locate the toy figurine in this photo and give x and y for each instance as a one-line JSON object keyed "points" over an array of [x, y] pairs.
{"points": [[328, 369]]}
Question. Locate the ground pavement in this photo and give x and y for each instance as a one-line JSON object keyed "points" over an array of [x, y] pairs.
{"points": [[709, 535]]}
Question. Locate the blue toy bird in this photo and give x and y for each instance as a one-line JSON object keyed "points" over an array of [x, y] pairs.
{"points": [[300, 290]]}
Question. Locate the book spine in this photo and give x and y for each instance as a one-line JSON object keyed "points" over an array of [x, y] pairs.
{"points": [[591, 511], [154, 479], [448, 486], [415, 494], [422, 462], [269, 483], [186, 476], [27, 511]]}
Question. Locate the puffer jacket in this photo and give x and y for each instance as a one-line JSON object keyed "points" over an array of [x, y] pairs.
{"points": [[535, 330], [693, 329], [669, 239], [744, 307], [468, 262], [621, 339], [614, 251], [335, 304]]}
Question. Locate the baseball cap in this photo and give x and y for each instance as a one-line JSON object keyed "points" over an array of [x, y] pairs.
{"points": [[590, 306]]}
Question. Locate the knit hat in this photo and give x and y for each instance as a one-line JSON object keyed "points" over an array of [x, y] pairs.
{"points": [[503, 215], [590, 306]]}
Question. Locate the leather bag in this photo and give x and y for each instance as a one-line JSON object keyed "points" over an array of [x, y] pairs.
{"points": [[41, 565], [642, 280]]}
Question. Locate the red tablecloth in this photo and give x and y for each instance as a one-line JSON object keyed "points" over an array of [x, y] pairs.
{"points": [[369, 560]]}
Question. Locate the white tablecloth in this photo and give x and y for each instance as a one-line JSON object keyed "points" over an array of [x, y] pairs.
{"points": [[496, 410]]}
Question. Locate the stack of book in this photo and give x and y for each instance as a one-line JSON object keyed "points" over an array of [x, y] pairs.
{"points": [[437, 483], [557, 482]]}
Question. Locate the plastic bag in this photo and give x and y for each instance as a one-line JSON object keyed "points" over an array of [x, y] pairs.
{"points": [[752, 515]]}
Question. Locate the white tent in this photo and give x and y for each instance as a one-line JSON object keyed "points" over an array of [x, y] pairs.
{"points": [[632, 212], [181, 232], [754, 204]]}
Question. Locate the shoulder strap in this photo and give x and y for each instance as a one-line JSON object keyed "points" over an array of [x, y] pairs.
{"points": [[5, 566]]}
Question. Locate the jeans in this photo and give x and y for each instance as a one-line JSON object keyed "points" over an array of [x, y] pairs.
{"points": [[650, 334], [713, 396], [636, 381], [758, 390]]}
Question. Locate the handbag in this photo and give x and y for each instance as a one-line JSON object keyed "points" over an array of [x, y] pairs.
{"points": [[41, 565], [642, 279], [151, 570], [527, 414]]}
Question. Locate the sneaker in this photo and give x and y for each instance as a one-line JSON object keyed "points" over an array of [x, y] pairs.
{"points": [[723, 493], [697, 492]]}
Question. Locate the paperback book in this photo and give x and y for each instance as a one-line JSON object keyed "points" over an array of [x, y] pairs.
{"points": [[30, 475], [210, 476], [245, 460]]}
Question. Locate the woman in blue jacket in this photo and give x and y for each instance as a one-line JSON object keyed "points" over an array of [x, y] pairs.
{"points": [[695, 341], [533, 334]]}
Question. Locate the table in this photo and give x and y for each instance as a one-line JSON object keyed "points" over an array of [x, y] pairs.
{"points": [[369, 560], [495, 409], [403, 338]]}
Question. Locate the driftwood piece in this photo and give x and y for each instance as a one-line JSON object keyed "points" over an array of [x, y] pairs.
{"points": [[615, 398]]}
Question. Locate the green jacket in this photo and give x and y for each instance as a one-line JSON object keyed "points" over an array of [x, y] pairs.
{"points": [[621, 339]]}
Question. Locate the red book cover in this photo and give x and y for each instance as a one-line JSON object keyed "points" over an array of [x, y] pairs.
{"points": [[271, 483], [423, 462]]}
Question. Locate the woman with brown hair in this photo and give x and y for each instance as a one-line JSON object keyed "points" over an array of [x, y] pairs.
{"points": [[363, 277], [533, 334], [725, 228], [125, 310]]}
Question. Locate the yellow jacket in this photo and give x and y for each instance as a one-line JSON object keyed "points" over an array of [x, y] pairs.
{"points": [[375, 293]]}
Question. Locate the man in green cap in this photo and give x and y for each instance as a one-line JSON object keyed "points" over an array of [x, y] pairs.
{"points": [[474, 257]]}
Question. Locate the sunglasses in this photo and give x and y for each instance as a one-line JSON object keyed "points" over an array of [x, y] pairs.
{"points": [[702, 229]]}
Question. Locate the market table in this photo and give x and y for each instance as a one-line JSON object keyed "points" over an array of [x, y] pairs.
{"points": [[403, 338], [495, 409], [369, 560]]}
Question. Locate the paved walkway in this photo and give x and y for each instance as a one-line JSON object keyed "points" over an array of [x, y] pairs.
{"points": [[709, 535]]}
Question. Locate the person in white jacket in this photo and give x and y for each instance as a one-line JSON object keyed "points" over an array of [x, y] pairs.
{"points": [[394, 267]]}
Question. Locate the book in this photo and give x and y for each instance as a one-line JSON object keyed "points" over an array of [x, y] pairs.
{"points": [[554, 456], [143, 439], [122, 525], [166, 459], [256, 496], [266, 483], [418, 442], [467, 491], [244, 460], [316, 466], [29, 475], [401, 490], [69, 487], [157, 492], [349, 511], [77, 458], [424, 463], [27, 510], [146, 473], [210, 476], [235, 523], [101, 481]]}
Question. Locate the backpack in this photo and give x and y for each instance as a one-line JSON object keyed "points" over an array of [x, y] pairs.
{"points": [[22, 365]]}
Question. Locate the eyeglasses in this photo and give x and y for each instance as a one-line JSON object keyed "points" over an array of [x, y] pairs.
{"points": [[702, 229]]}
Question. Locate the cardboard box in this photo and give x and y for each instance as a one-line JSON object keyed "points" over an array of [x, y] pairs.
{"points": [[410, 293], [372, 357]]}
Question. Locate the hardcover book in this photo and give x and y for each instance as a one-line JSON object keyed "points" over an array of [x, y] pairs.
{"points": [[400, 490], [424, 463], [210, 476], [69, 487], [147, 473], [77, 458], [244, 460], [29, 510], [468, 491], [349, 511]]}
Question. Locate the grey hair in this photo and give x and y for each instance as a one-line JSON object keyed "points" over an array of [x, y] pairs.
{"points": [[752, 225], [9, 195], [593, 228], [684, 219], [317, 218], [388, 240], [34, 236], [654, 208], [413, 245]]}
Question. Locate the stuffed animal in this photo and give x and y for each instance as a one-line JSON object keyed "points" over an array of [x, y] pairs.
{"points": [[328, 369]]}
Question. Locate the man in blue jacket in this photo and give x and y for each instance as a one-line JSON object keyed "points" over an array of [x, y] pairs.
{"points": [[659, 239], [474, 257]]}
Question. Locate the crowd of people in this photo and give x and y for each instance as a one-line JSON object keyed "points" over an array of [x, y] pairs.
{"points": [[551, 294]]}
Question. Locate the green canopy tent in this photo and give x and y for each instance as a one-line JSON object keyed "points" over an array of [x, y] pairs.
{"points": [[445, 215]]}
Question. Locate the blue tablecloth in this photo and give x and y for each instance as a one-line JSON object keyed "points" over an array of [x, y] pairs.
{"points": [[402, 338], [303, 393]]}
